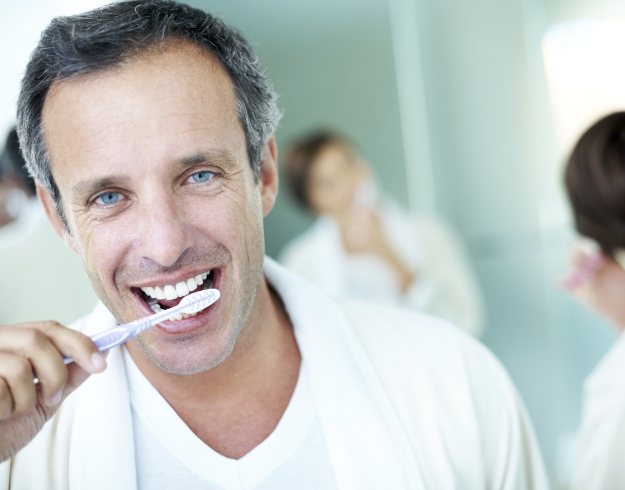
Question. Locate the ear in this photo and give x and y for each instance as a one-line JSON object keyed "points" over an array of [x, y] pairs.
{"points": [[268, 178], [49, 206]]}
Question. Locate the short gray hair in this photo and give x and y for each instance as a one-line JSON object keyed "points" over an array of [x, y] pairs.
{"points": [[105, 37]]}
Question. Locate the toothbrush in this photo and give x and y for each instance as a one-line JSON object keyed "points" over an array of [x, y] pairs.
{"points": [[115, 336]]}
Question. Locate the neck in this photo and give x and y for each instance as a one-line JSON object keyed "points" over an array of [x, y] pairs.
{"points": [[237, 404]]}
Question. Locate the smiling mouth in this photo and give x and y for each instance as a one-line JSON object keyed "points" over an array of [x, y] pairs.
{"points": [[163, 297]]}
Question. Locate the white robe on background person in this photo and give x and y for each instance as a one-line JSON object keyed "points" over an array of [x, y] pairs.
{"points": [[42, 279], [403, 400], [445, 285], [601, 441]]}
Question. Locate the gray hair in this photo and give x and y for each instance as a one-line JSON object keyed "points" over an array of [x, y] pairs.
{"points": [[107, 36]]}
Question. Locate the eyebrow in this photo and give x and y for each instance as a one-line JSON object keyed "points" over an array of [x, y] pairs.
{"points": [[221, 157], [214, 156], [86, 188]]}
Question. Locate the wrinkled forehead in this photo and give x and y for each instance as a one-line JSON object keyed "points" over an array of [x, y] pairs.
{"points": [[145, 107], [163, 65]]}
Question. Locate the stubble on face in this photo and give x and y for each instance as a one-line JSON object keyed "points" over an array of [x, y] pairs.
{"points": [[236, 242]]}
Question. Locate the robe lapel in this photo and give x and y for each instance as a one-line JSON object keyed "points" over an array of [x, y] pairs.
{"points": [[366, 442], [101, 453]]}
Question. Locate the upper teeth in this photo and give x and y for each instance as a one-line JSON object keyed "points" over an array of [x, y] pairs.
{"points": [[178, 290]]}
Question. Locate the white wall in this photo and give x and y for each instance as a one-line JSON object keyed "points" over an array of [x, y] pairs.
{"points": [[497, 174], [21, 24]]}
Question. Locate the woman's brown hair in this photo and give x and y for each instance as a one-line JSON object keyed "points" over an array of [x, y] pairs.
{"points": [[595, 183]]}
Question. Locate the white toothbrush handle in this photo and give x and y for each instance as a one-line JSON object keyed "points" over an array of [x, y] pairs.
{"points": [[121, 333]]}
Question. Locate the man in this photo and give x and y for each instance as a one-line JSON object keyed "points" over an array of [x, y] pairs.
{"points": [[149, 129]]}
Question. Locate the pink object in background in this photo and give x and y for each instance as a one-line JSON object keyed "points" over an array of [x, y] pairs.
{"points": [[584, 269]]}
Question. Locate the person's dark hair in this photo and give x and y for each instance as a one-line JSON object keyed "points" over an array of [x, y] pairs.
{"points": [[301, 156], [106, 37], [595, 183], [12, 163]]}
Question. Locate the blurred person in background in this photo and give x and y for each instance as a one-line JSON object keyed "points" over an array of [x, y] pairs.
{"points": [[595, 183], [365, 246], [18, 203], [53, 284]]}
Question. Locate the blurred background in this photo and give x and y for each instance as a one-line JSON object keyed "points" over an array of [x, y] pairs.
{"points": [[466, 111]]}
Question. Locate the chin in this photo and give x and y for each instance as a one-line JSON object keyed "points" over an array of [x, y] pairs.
{"points": [[186, 360]]}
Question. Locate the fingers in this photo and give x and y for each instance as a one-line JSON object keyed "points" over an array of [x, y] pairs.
{"points": [[19, 391], [36, 356], [37, 350], [75, 345], [6, 400]]}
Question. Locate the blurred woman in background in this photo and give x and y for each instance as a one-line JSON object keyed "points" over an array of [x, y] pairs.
{"points": [[364, 246], [595, 183]]}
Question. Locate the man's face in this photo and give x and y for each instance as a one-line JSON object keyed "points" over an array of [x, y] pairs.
{"points": [[151, 163]]}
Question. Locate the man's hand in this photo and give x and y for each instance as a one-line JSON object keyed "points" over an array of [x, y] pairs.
{"points": [[36, 350], [599, 283]]}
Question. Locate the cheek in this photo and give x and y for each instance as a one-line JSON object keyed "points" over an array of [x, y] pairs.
{"points": [[319, 198], [101, 245]]}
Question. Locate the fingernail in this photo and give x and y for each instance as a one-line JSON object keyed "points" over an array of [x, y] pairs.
{"points": [[97, 361], [55, 399]]}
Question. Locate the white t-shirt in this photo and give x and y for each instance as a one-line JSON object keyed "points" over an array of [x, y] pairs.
{"points": [[170, 455]]}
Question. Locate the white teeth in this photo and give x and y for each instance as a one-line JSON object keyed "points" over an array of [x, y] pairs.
{"points": [[156, 308], [158, 293], [170, 292], [180, 289]]}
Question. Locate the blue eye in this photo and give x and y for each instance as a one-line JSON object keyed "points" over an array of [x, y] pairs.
{"points": [[108, 198], [202, 176]]}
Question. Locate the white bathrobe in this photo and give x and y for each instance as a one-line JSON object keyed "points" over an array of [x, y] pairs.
{"points": [[601, 443], [404, 402], [445, 284]]}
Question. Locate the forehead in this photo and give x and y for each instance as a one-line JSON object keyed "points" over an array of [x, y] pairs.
{"points": [[151, 106], [332, 158]]}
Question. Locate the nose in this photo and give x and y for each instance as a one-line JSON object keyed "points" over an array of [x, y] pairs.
{"points": [[162, 232]]}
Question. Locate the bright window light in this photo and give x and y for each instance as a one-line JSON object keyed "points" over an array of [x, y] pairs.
{"points": [[585, 74]]}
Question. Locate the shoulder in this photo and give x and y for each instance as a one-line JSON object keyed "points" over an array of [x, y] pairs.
{"points": [[604, 379], [424, 340], [309, 245], [416, 355], [449, 388]]}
